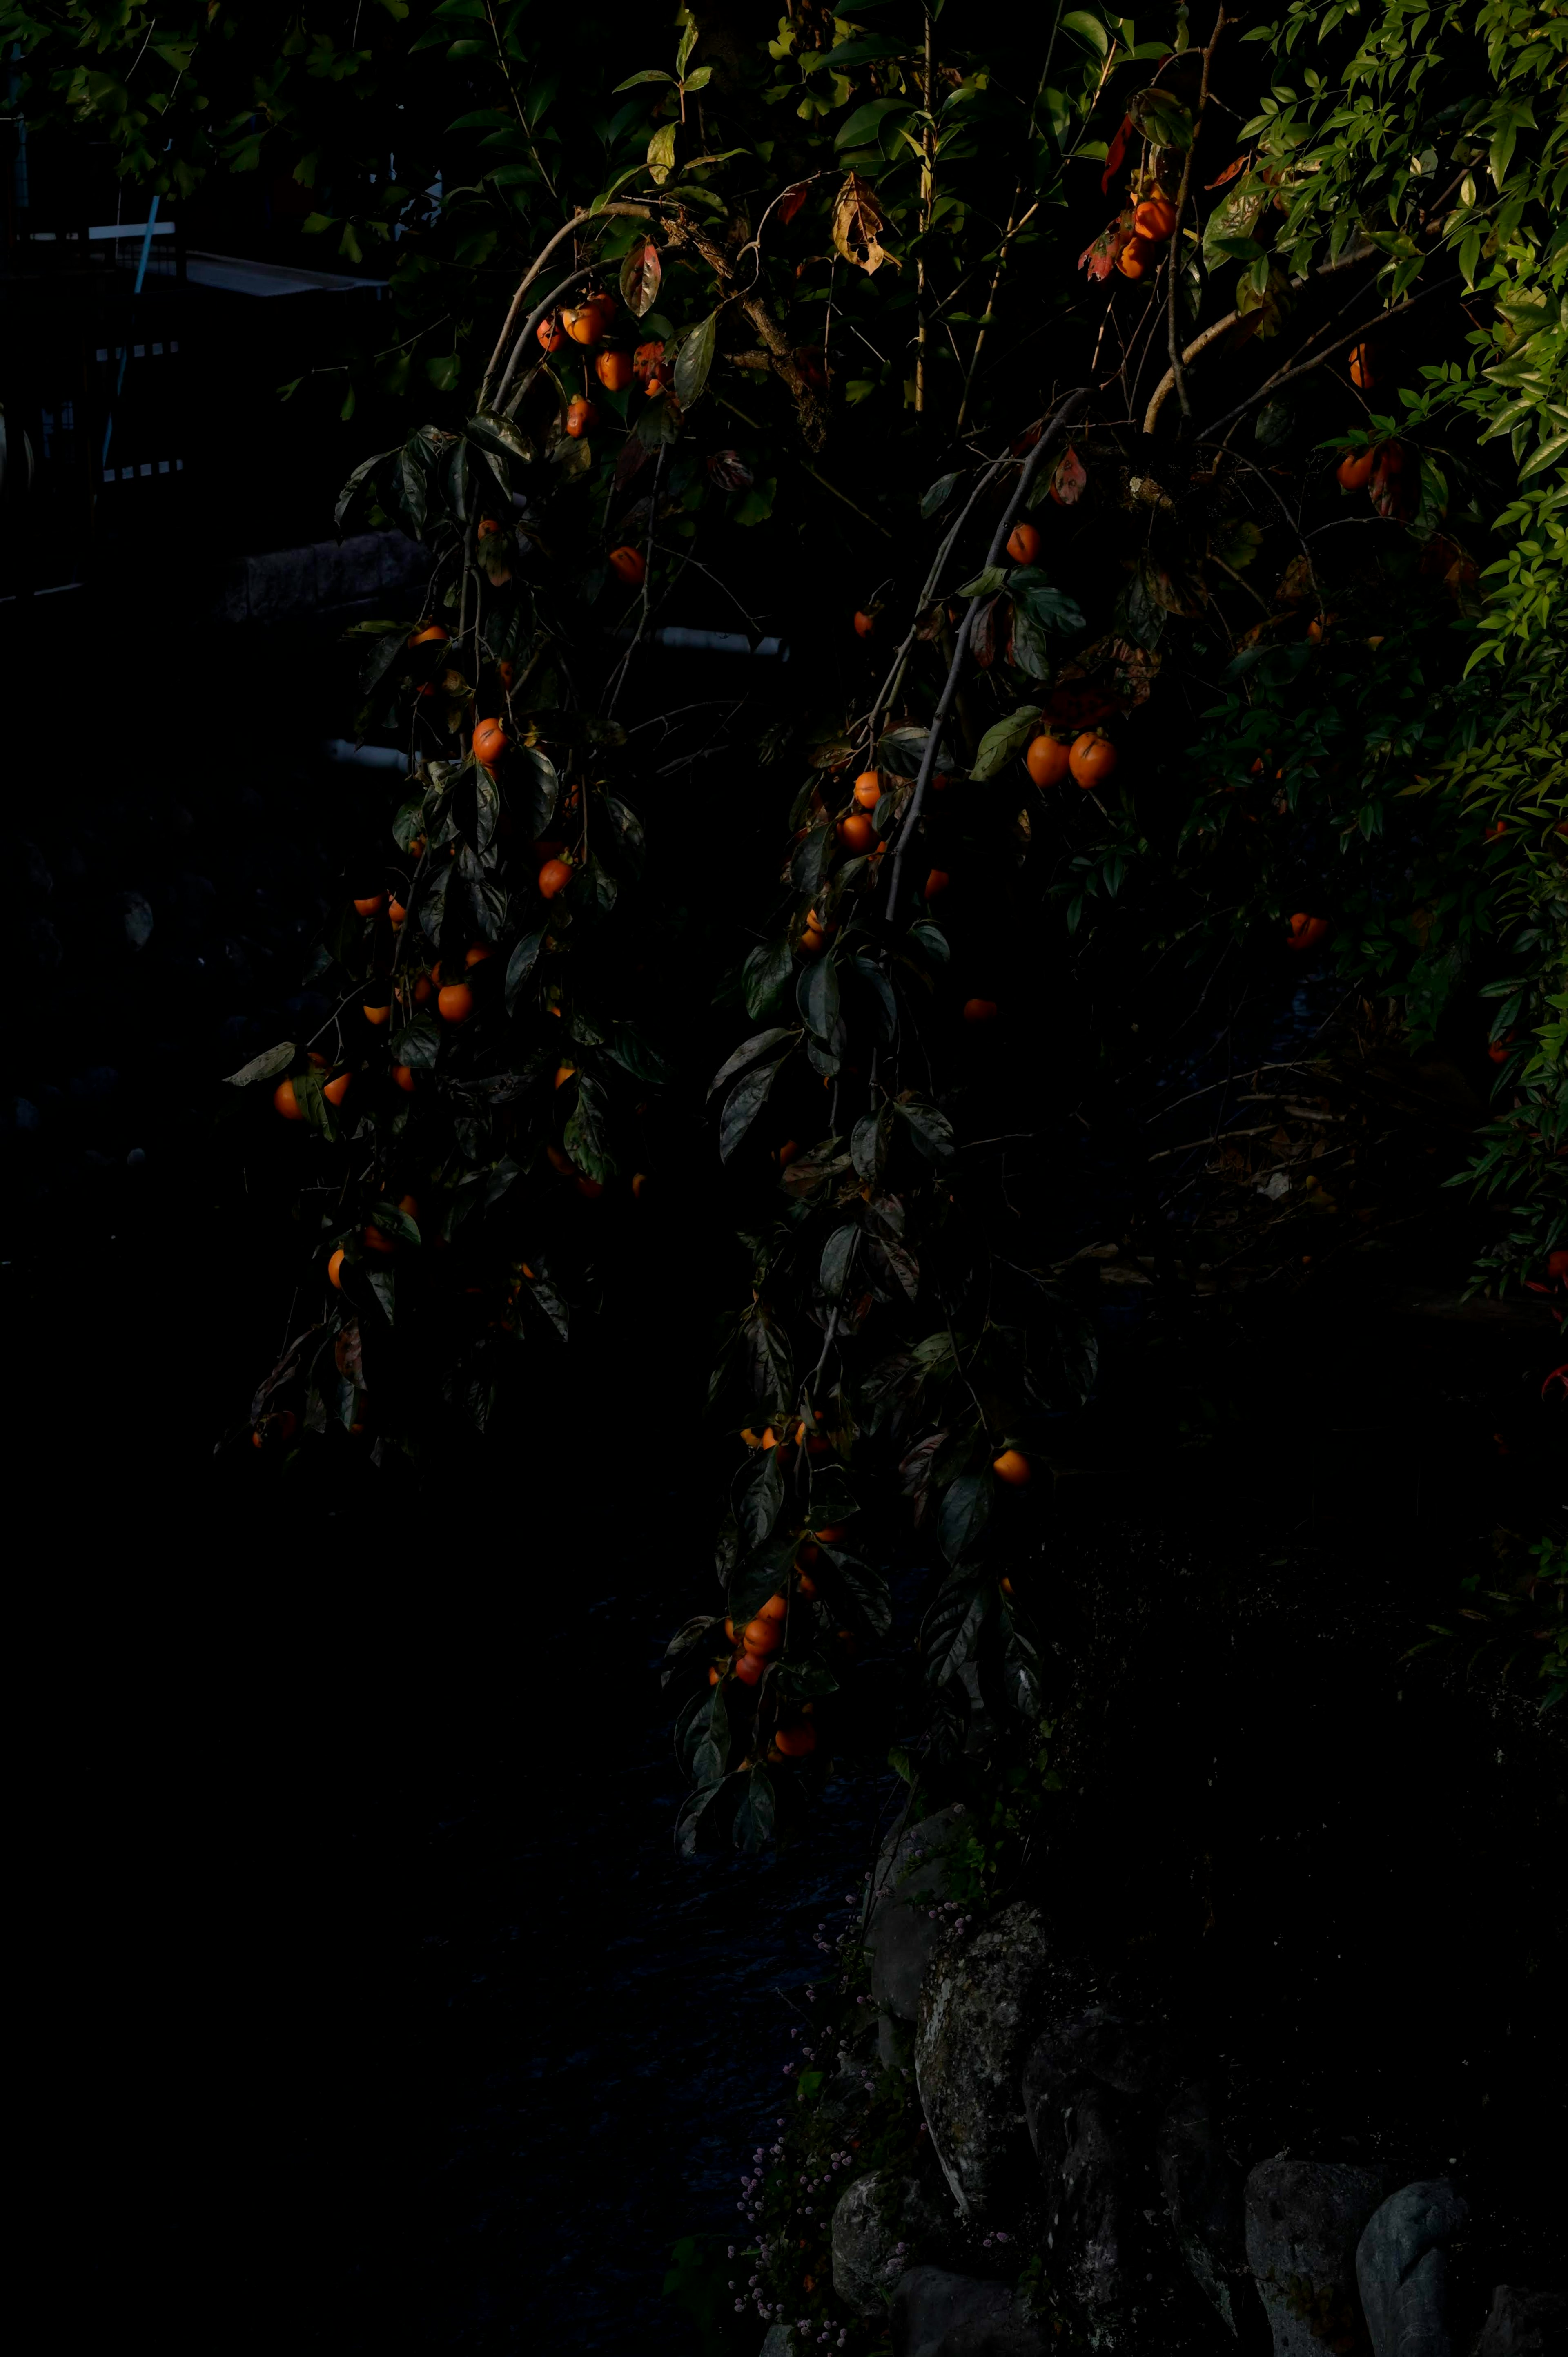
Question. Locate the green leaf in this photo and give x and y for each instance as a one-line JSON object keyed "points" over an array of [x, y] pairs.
{"points": [[938, 495], [985, 584], [952, 1630], [496, 432], [416, 1044], [759, 1044], [931, 1130], [1004, 741], [1088, 29], [837, 1253], [866, 122], [265, 1067], [743, 1104], [765, 977], [817, 995], [520, 966], [1164, 121], [586, 1138], [755, 1817], [355, 483], [694, 358], [964, 1513]]}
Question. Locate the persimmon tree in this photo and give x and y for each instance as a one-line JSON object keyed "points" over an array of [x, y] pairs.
{"points": [[1155, 435]]}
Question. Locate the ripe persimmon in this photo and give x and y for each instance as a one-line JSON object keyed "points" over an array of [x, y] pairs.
{"points": [[371, 907], [454, 1002], [287, 1104], [408, 1204], [647, 364], [868, 789], [794, 1742], [375, 1239], [937, 881], [589, 1188], [404, 1075], [1362, 372], [585, 324], [980, 1010], [581, 417], [564, 1072], [476, 954], [830, 1537], [748, 1668], [786, 1154], [335, 1268], [429, 634], [554, 877], [630, 565], [280, 1425], [490, 741], [639, 1184], [761, 1636], [1498, 1049], [1012, 1467], [865, 624], [1135, 257], [551, 333], [560, 1163], [811, 940], [381, 1014], [774, 1608], [1354, 469], [1304, 933], [856, 832], [397, 912], [613, 370], [1154, 218], [1046, 759], [421, 989], [1091, 759], [1022, 544], [806, 1587], [336, 1090]]}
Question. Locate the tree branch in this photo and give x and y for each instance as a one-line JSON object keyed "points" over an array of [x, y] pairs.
{"points": [[1064, 417]]}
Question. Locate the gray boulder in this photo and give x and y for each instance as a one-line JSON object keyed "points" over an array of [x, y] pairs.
{"points": [[882, 2226], [1401, 2269], [1304, 2219], [1201, 2186], [981, 1997], [1086, 2085], [779, 2342], [1525, 2324], [935, 2314], [913, 1877]]}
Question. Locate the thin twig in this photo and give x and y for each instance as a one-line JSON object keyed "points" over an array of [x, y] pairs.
{"points": [[1173, 271]]}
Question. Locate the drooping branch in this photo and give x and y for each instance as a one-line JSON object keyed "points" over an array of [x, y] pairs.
{"points": [[1173, 268], [1067, 411]]}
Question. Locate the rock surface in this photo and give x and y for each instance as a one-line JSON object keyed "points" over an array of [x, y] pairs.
{"points": [[882, 2226], [913, 1875], [1401, 2269], [1304, 2219], [978, 2007], [935, 2314], [1525, 2324], [1201, 2186], [1086, 2086], [779, 2342]]}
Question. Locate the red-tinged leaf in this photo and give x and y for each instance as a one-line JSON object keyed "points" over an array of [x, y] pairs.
{"points": [[1229, 173], [982, 635], [1116, 154], [634, 452], [1100, 259], [640, 276], [1070, 478], [729, 470], [791, 201]]}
